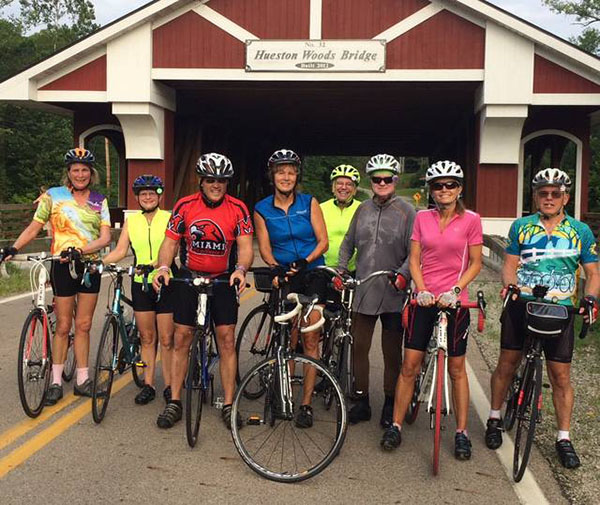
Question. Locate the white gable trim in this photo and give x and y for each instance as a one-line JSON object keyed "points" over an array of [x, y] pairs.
{"points": [[566, 99], [316, 19], [102, 127], [71, 96], [409, 23], [167, 18], [224, 23]]}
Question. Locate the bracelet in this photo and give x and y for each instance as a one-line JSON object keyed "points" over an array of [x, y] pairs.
{"points": [[242, 268], [164, 267]]}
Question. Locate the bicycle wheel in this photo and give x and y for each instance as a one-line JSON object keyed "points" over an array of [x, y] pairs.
{"points": [[35, 363], [529, 404], [252, 344], [413, 407], [137, 371], [270, 443], [194, 390], [104, 370], [70, 362], [512, 397], [439, 394]]}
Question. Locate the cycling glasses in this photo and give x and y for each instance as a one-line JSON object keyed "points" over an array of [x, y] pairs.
{"points": [[438, 186], [556, 194], [385, 180], [212, 180]]}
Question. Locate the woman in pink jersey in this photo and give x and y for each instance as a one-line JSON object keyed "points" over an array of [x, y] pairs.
{"points": [[445, 256]]}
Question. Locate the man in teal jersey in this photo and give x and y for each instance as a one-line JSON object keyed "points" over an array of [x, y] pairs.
{"points": [[338, 211], [545, 249]]}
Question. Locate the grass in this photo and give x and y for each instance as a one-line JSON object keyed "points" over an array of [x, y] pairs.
{"points": [[16, 282]]}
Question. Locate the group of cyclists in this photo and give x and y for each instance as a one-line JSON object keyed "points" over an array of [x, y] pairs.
{"points": [[438, 251]]}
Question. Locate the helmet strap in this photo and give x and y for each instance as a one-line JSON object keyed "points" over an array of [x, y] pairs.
{"points": [[209, 203]]}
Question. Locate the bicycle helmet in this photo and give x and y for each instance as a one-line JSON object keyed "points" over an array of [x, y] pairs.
{"points": [[552, 177], [345, 171], [444, 169], [383, 162], [214, 165], [282, 156], [79, 155], [148, 182]]}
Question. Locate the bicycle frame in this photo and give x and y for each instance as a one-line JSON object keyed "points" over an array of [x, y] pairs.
{"points": [[440, 333]]}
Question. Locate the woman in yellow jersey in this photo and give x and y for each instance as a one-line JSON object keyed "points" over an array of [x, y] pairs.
{"points": [[145, 232]]}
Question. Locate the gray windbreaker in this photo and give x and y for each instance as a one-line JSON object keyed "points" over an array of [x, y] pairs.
{"points": [[380, 234]]}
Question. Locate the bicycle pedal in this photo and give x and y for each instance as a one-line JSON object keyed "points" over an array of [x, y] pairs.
{"points": [[254, 421], [140, 364]]}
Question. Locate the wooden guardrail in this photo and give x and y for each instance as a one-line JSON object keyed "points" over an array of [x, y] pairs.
{"points": [[14, 218]]}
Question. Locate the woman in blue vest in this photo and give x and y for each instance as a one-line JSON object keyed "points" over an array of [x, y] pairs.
{"points": [[291, 233], [145, 231]]}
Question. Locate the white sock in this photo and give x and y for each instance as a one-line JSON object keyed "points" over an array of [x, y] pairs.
{"points": [[398, 426], [563, 435], [466, 433], [57, 371], [495, 414], [83, 374]]}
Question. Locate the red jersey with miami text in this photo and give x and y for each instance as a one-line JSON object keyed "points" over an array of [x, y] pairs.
{"points": [[207, 234]]}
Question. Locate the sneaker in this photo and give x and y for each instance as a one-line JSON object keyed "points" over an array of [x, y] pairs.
{"points": [[84, 389], [361, 411], [462, 447], [387, 413], [567, 455], [54, 393], [171, 415], [304, 418], [167, 394], [392, 438], [493, 433], [146, 395], [226, 416]]}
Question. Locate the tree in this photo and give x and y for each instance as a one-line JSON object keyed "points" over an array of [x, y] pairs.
{"points": [[586, 12]]}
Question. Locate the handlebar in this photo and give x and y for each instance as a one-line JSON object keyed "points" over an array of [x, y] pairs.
{"points": [[301, 301], [282, 318]]}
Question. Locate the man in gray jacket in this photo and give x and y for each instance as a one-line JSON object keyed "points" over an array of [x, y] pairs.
{"points": [[380, 234]]}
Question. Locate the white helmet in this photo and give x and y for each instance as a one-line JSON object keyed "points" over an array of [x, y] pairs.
{"points": [[383, 162], [214, 165], [552, 177], [444, 169]]}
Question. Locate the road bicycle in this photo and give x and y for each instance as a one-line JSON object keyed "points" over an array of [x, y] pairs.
{"points": [[35, 345], [544, 320], [431, 384], [119, 346], [268, 440]]}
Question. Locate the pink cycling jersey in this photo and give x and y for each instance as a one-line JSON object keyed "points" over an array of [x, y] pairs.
{"points": [[445, 254]]}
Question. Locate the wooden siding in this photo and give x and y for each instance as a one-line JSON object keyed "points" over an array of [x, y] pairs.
{"points": [[190, 41], [359, 19], [549, 77], [489, 201], [445, 41], [268, 19], [89, 77]]}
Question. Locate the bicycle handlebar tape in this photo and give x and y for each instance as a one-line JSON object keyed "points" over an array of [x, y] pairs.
{"points": [[405, 314], [480, 322]]}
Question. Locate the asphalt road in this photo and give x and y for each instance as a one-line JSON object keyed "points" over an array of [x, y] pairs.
{"points": [[63, 457]]}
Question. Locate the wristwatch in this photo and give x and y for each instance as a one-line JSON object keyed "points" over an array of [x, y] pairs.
{"points": [[456, 290]]}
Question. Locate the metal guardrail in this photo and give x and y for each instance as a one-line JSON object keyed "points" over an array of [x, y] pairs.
{"points": [[493, 252]]}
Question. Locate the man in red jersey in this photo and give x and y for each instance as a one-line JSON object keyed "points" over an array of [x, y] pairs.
{"points": [[214, 233]]}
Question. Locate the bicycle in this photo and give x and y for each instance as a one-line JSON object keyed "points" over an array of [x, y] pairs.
{"points": [[431, 384], [545, 320], [269, 442], [35, 344], [119, 346]]}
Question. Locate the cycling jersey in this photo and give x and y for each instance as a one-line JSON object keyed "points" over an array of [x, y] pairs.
{"points": [[337, 220], [73, 225], [551, 260], [291, 235], [207, 234], [146, 238], [445, 254]]}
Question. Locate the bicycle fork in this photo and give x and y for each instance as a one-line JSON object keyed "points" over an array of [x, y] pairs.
{"points": [[441, 346], [284, 382]]}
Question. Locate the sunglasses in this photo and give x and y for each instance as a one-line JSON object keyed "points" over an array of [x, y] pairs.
{"points": [[554, 194], [438, 186], [385, 180], [210, 180]]}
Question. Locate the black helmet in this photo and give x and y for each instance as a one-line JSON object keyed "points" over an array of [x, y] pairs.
{"points": [[148, 182], [79, 155], [214, 165], [284, 156]]}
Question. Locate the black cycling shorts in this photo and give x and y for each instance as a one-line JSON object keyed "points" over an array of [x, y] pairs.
{"points": [[222, 304], [421, 322], [146, 302], [513, 335], [309, 284], [64, 285]]}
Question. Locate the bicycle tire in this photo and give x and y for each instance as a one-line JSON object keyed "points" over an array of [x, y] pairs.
{"points": [[71, 361], [136, 371], [104, 369], [413, 407], [34, 377], [252, 343], [267, 432], [194, 390], [527, 417], [512, 398], [439, 393]]}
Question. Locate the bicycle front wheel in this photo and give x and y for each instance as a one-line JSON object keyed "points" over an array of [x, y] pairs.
{"points": [[439, 394], [35, 362], [70, 362], [528, 409], [136, 370], [413, 407], [106, 364], [271, 442], [252, 344], [195, 394], [512, 398]]}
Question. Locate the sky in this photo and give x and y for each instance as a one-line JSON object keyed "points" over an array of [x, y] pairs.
{"points": [[531, 10]]}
